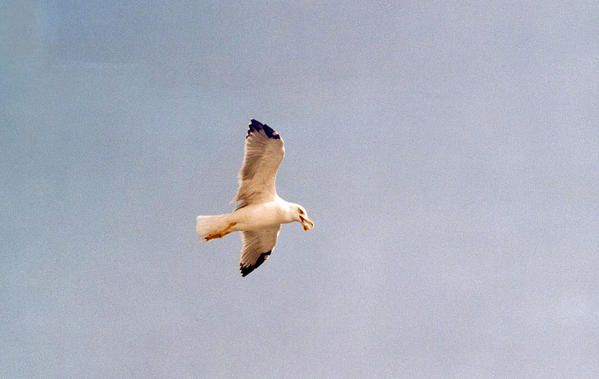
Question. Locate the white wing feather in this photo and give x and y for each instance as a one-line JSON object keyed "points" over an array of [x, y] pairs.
{"points": [[257, 247], [264, 152]]}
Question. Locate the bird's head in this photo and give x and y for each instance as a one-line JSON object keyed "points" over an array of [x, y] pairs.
{"points": [[302, 217]]}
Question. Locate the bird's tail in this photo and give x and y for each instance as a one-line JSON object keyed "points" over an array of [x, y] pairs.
{"points": [[210, 227]]}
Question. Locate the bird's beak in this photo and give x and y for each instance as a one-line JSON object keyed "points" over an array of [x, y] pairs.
{"points": [[306, 223]]}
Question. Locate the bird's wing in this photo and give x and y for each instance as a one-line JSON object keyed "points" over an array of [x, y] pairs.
{"points": [[264, 152], [257, 247]]}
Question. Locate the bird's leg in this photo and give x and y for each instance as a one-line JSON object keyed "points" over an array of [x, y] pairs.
{"points": [[222, 233]]}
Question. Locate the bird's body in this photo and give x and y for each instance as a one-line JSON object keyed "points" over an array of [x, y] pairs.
{"points": [[262, 216], [260, 211]]}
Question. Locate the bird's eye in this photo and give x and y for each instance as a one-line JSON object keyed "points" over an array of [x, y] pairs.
{"points": [[300, 211]]}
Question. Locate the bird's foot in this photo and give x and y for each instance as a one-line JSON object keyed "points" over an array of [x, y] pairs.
{"points": [[212, 236], [220, 234]]}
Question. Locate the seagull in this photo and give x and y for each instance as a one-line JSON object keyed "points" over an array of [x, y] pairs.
{"points": [[260, 211]]}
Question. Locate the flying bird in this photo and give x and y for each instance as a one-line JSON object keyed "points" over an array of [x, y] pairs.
{"points": [[260, 212]]}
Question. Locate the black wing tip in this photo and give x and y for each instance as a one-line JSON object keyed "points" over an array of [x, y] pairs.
{"points": [[256, 126], [245, 270]]}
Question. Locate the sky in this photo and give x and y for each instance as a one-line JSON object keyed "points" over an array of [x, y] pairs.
{"points": [[448, 153]]}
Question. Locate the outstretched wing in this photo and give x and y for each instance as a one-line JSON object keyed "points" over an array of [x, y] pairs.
{"points": [[264, 152], [257, 247]]}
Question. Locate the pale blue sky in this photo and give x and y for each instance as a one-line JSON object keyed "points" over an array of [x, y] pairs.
{"points": [[447, 151]]}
